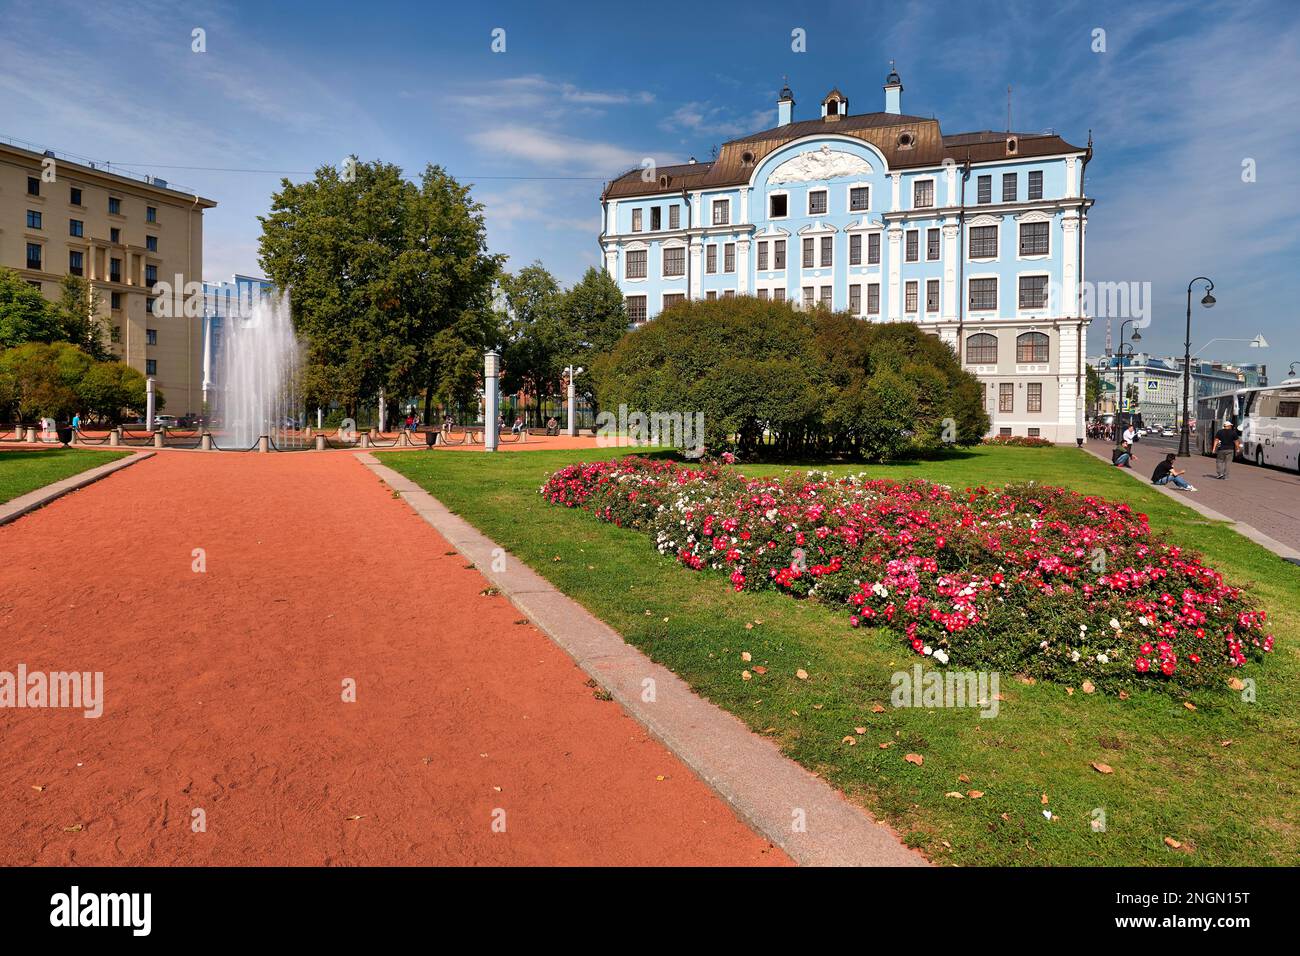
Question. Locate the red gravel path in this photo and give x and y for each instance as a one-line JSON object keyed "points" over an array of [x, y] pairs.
{"points": [[223, 690]]}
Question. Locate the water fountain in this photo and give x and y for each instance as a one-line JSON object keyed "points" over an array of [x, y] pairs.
{"points": [[261, 359]]}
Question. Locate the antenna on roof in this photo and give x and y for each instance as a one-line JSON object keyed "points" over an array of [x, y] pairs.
{"points": [[1008, 108]]}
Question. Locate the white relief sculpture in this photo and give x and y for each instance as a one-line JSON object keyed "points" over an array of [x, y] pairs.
{"points": [[813, 165]]}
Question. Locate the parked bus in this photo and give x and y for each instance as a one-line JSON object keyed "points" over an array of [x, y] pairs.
{"points": [[1268, 418]]}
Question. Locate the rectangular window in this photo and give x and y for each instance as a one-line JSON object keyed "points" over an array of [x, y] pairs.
{"points": [[729, 257], [76, 227], [1034, 397], [729, 294], [855, 249], [1010, 187], [721, 212], [923, 193], [1032, 347], [984, 187], [115, 236], [115, 270], [675, 261], [932, 244], [859, 198], [673, 298], [34, 284], [1033, 238], [817, 202], [778, 254], [873, 298], [932, 295], [151, 243], [711, 295], [984, 242], [762, 257], [150, 276], [636, 220], [1007, 398], [115, 301], [151, 366], [855, 299], [808, 261], [807, 297], [33, 186], [825, 298], [711, 258], [33, 255], [656, 219], [913, 250], [873, 249], [1036, 184], [75, 260], [150, 336], [114, 206], [1033, 292], [33, 219], [984, 294], [778, 295], [1033, 432], [674, 217], [828, 251], [909, 298], [148, 305], [74, 196], [150, 213], [762, 295], [636, 264], [778, 207], [635, 308]]}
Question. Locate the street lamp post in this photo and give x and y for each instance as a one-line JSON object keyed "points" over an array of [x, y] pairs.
{"points": [[1184, 439], [572, 373], [1119, 408]]}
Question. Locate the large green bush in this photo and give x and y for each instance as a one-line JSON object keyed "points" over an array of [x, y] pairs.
{"points": [[774, 381]]}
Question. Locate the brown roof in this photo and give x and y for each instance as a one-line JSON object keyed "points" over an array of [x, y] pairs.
{"points": [[929, 147]]}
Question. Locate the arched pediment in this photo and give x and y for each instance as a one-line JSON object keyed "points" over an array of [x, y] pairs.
{"points": [[814, 165]]}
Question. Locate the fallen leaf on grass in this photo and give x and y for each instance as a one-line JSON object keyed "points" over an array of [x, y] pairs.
{"points": [[1123, 695], [746, 656], [1103, 767], [1044, 800], [748, 626], [760, 670], [914, 758], [1189, 705], [1172, 843], [746, 675], [801, 674], [1069, 692], [557, 558], [850, 740], [1225, 743], [886, 745], [1236, 683], [859, 730], [962, 778], [974, 794], [1088, 687], [877, 709], [955, 793]]}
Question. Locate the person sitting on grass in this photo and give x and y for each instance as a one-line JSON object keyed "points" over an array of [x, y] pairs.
{"points": [[1122, 457], [1166, 474]]}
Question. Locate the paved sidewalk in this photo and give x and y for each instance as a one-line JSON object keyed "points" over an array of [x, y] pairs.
{"points": [[1266, 499], [223, 690]]}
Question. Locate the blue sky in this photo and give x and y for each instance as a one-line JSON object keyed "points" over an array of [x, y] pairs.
{"points": [[1183, 94]]}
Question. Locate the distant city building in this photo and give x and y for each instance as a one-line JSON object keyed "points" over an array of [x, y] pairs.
{"points": [[223, 301], [879, 214], [122, 235], [1158, 383]]}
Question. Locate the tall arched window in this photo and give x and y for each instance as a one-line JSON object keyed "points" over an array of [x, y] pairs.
{"points": [[982, 349], [1031, 347]]}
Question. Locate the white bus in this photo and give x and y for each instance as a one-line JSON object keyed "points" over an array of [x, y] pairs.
{"points": [[1268, 418]]}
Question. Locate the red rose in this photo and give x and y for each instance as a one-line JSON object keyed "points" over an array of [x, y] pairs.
{"points": [[1142, 664]]}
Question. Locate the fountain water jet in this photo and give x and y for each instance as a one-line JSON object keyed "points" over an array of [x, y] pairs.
{"points": [[261, 359]]}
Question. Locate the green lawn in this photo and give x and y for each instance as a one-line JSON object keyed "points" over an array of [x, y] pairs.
{"points": [[24, 471], [1173, 774]]}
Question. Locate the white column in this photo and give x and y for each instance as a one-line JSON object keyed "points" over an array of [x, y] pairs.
{"points": [[950, 177], [491, 365], [611, 225], [1069, 304], [697, 255], [950, 260], [895, 253], [742, 267], [1071, 181], [1067, 352], [897, 187], [744, 205], [611, 262]]}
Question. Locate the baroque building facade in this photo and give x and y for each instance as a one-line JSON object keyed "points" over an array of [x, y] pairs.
{"points": [[976, 237]]}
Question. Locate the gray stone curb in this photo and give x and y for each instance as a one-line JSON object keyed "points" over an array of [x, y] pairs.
{"points": [[1246, 531], [17, 507], [764, 787]]}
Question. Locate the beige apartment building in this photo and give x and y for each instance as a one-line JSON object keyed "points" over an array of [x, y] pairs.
{"points": [[122, 235]]}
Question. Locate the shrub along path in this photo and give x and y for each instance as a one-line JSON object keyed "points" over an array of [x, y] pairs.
{"points": [[223, 690]]}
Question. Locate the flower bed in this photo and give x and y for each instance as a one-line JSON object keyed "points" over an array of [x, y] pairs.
{"points": [[1028, 578], [1020, 441]]}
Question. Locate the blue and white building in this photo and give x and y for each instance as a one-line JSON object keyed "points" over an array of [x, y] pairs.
{"points": [[976, 237]]}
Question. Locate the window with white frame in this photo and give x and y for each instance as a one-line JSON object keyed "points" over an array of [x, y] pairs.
{"points": [[778, 254], [873, 298], [1033, 292], [984, 295], [1006, 399], [912, 251], [778, 295], [1010, 187], [807, 297], [873, 249], [923, 193], [808, 261], [984, 242], [636, 220], [762, 295], [855, 299], [931, 295], [984, 190], [636, 263], [721, 212], [828, 253], [825, 298], [855, 249], [1032, 348], [635, 308], [656, 219], [711, 258], [1034, 238], [673, 298], [859, 198], [817, 202], [729, 257], [1035, 184], [909, 298], [762, 257], [778, 207], [675, 261], [674, 217], [711, 295], [982, 349], [1034, 397], [932, 244]]}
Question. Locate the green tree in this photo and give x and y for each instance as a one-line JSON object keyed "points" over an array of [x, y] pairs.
{"points": [[110, 389], [377, 268], [1092, 389], [593, 317], [25, 314], [80, 318], [41, 379], [532, 327]]}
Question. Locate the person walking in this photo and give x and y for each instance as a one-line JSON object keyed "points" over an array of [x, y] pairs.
{"points": [[1227, 442], [1130, 434], [1167, 474]]}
